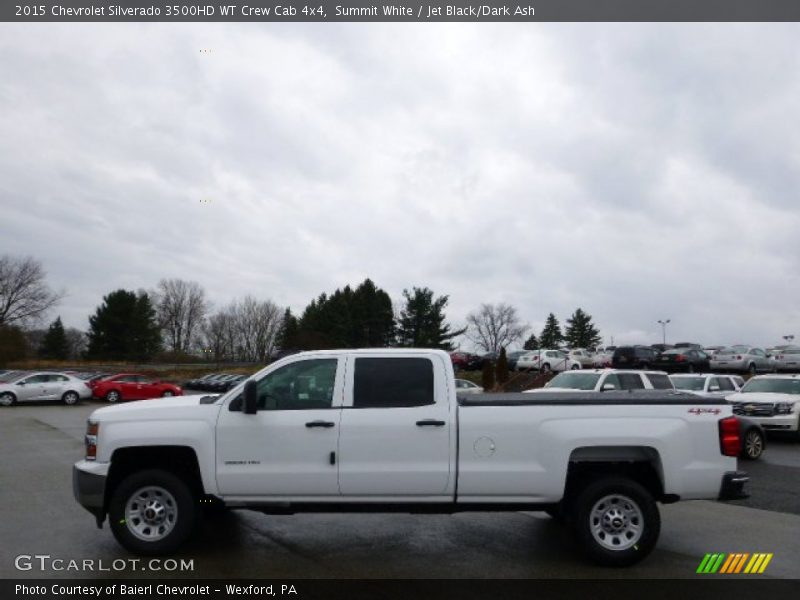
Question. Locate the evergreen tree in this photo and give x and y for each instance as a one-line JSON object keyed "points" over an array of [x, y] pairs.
{"points": [[124, 327], [502, 367], [531, 343], [287, 337], [551, 336], [54, 344], [581, 332], [422, 321], [487, 376]]}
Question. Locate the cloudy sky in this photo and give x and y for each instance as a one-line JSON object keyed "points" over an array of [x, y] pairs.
{"points": [[639, 171]]}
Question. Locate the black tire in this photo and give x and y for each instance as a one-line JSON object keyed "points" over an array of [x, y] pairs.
{"points": [[113, 396], [178, 529], [167, 394], [753, 444], [575, 367], [751, 368], [7, 399], [545, 368], [631, 519], [70, 398]]}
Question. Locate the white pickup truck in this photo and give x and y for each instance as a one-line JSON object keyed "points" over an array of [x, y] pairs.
{"points": [[383, 430]]}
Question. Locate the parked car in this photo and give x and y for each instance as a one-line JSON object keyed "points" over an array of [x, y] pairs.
{"points": [[583, 356], [464, 386], [744, 359], [132, 386], [221, 384], [633, 357], [689, 360], [466, 361], [688, 345], [232, 383], [208, 384], [546, 361], [661, 347], [602, 360], [197, 382], [773, 401], [712, 350], [603, 380], [513, 357], [32, 387], [708, 385], [786, 360]]}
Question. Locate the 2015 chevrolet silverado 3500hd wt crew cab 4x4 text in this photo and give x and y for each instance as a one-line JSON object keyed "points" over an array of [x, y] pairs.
{"points": [[383, 430]]}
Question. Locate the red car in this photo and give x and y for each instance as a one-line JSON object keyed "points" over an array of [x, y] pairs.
{"points": [[131, 386]]}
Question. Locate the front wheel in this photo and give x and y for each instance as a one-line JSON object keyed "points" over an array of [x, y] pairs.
{"points": [[167, 394], [617, 522], [152, 512], [7, 399]]}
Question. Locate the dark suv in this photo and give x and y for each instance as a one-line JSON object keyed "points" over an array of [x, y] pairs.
{"points": [[633, 357]]}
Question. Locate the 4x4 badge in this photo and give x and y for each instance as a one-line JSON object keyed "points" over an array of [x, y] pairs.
{"points": [[701, 411]]}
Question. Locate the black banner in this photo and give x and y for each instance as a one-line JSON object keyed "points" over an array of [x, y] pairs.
{"points": [[412, 10], [460, 589]]}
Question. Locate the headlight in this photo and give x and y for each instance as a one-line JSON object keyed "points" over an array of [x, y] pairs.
{"points": [[92, 429], [784, 408]]}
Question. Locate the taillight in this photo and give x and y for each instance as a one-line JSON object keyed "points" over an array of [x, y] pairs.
{"points": [[680, 358], [91, 440], [730, 443], [738, 358]]}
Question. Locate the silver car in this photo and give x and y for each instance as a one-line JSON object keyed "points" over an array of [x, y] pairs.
{"points": [[743, 359], [786, 360], [32, 387]]}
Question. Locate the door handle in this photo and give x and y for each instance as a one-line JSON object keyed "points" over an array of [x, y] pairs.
{"points": [[430, 423], [325, 424]]}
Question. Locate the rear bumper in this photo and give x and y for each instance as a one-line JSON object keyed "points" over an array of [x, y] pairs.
{"points": [[89, 488], [732, 487]]}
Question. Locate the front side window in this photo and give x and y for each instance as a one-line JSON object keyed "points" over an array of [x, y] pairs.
{"points": [[35, 379], [303, 385], [392, 382], [724, 384]]}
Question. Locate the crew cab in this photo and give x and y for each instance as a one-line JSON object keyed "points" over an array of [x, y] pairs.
{"points": [[383, 430]]}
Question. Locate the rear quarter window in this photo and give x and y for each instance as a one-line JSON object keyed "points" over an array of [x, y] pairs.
{"points": [[660, 382]]}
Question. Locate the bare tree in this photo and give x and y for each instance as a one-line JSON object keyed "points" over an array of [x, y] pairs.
{"points": [[181, 307], [494, 326], [24, 295], [257, 324], [76, 343], [217, 338]]}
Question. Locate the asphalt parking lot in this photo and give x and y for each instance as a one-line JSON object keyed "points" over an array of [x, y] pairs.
{"points": [[38, 515]]}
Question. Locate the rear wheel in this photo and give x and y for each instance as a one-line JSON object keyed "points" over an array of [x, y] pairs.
{"points": [[575, 367], [70, 398], [545, 368], [753, 444], [167, 394], [751, 368], [617, 521], [152, 512]]}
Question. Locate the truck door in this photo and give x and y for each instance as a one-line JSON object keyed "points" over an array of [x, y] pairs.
{"points": [[288, 448], [397, 435]]}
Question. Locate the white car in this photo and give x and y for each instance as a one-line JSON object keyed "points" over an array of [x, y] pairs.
{"points": [[546, 361], [603, 380], [772, 401], [33, 387], [464, 386], [602, 359], [786, 360], [582, 356], [708, 385]]}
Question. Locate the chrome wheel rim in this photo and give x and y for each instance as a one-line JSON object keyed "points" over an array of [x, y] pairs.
{"points": [[753, 444], [70, 398], [151, 513], [113, 396], [616, 522]]}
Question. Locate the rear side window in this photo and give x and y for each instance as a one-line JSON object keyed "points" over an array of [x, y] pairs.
{"points": [[392, 382], [660, 382], [724, 384], [630, 381]]}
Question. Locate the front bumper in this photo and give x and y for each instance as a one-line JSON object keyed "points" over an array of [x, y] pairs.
{"points": [[781, 423], [89, 487], [732, 487]]}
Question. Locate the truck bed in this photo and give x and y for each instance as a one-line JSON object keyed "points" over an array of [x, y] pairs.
{"points": [[640, 397]]}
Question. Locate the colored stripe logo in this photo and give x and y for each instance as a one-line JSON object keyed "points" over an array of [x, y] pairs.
{"points": [[738, 562]]}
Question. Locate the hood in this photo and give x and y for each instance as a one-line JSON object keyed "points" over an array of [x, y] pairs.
{"points": [[176, 407], [769, 397]]}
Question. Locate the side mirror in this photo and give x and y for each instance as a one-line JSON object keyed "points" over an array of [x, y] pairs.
{"points": [[250, 398], [608, 386], [21, 383]]}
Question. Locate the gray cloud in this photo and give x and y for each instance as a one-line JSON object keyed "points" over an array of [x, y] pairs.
{"points": [[638, 171]]}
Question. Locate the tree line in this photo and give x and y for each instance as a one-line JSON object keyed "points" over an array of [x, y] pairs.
{"points": [[175, 320]]}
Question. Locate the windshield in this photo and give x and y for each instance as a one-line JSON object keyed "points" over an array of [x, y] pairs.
{"points": [[693, 384], [576, 381], [775, 386]]}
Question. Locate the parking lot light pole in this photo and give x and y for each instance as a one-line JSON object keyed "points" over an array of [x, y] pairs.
{"points": [[663, 330]]}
